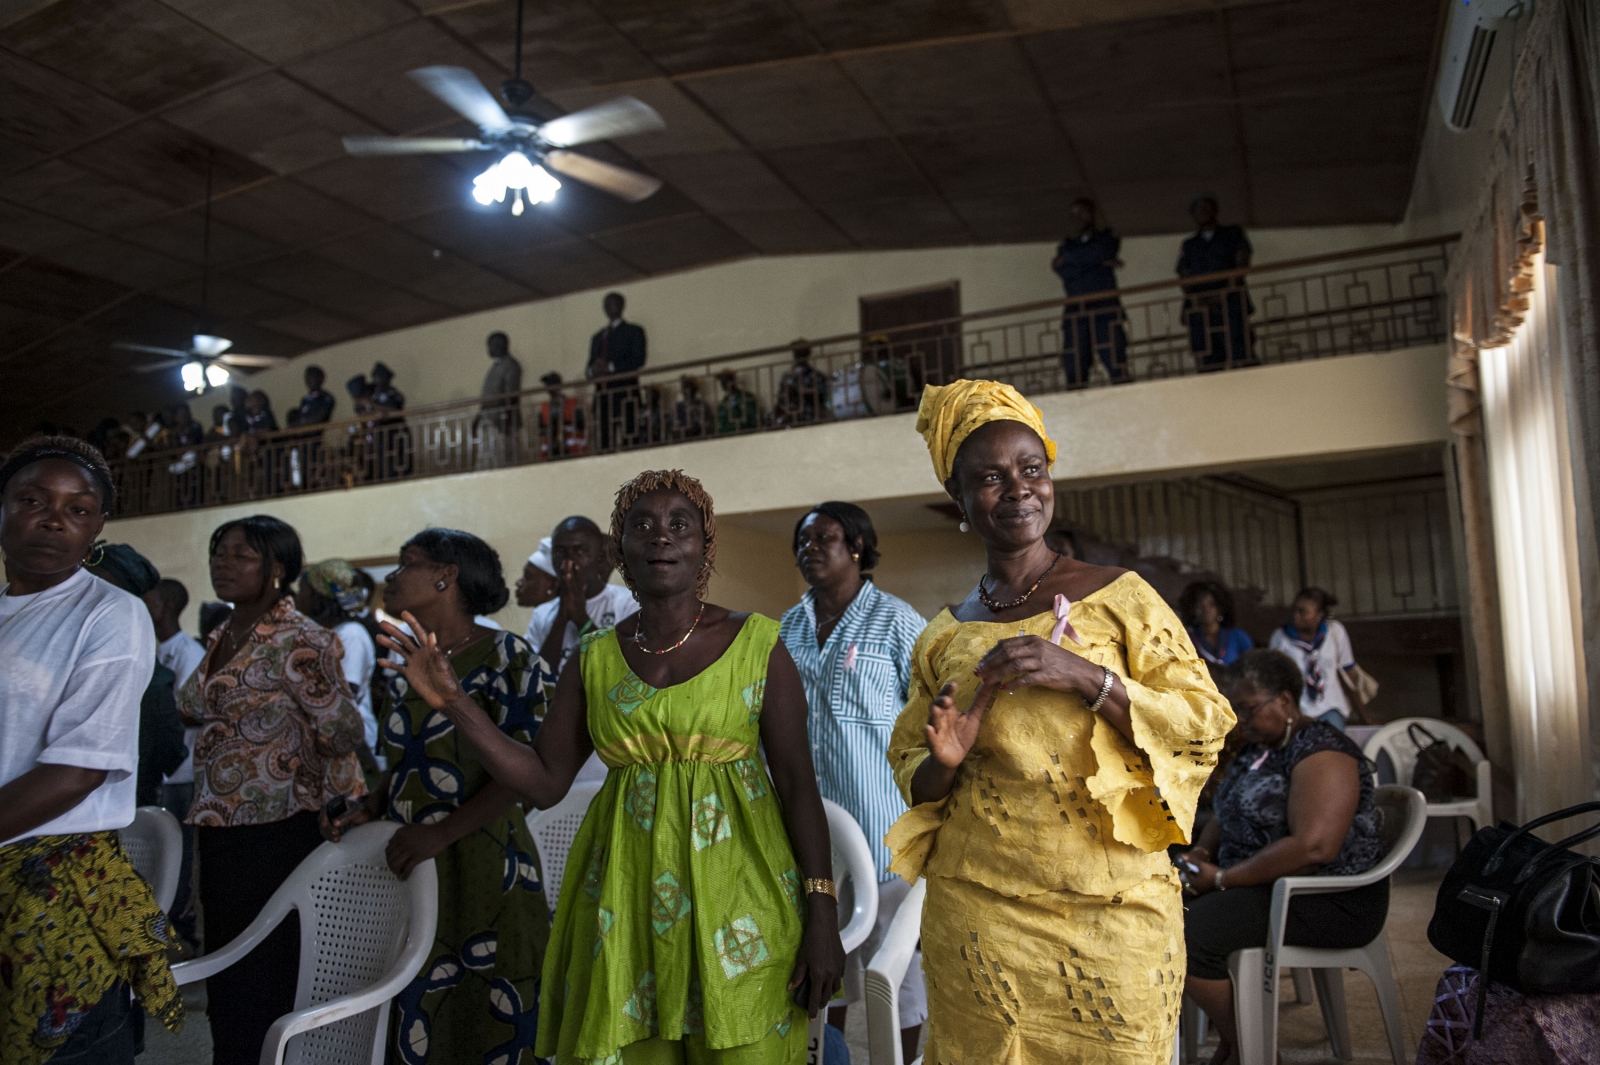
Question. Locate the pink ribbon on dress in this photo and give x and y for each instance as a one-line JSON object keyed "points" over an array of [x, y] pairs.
{"points": [[1063, 626], [850, 659]]}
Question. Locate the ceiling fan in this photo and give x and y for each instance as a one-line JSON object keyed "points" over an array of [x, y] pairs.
{"points": [[207, 357], [525, 144]]}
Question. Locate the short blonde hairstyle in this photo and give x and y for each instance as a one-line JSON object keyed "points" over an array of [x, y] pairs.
{"points": [[684, 485]]}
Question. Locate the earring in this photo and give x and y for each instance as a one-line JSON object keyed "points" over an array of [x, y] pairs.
{"points": [[439, 585], [964, 526], [97, 554], [855, 556]]}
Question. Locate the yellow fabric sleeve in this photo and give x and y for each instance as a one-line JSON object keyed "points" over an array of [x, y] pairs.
{"points": [[910, 839]]}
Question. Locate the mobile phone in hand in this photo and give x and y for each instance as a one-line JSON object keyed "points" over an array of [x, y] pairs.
{"points": [[336, 808], [802, 994]]}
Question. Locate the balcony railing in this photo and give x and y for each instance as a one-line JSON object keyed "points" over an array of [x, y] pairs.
{"points": [[1373, 299]]}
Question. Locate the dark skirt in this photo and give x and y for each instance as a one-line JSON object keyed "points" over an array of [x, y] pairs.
{"points": [[1221, 922], [240, 868]]}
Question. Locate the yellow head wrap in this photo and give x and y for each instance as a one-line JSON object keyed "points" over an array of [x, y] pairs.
{"points": [[950, 413]]}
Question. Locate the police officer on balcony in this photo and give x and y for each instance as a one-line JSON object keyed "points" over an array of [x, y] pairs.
{"points": [[618, 348], [1086, 261], [1216, 312]]}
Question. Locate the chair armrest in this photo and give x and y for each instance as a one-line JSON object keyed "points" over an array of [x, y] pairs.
{"points": [[197, 969]]}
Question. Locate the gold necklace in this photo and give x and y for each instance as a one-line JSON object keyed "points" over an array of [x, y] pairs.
{"points": [[638, 633]]}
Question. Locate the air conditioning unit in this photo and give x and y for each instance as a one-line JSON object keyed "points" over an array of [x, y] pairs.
{"points": [[1474, 25]]}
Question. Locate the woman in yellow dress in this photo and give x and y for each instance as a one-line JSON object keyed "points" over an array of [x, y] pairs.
{"points": [[1041, 814]]}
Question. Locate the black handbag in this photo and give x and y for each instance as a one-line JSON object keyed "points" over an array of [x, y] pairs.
{"points": [[1523, 912], [1442, 772]]}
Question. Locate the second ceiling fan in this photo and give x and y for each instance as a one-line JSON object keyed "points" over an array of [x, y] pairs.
{"points": [[526, 145]]}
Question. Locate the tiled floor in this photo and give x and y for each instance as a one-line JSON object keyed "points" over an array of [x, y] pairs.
{"points": [[1301, 1039]]}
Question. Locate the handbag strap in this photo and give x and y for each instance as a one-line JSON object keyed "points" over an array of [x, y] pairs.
{"points": [[1560, 815], [1432, 739]]}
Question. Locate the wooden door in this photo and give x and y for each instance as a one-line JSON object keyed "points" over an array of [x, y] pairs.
{"points": [[921, 338]]}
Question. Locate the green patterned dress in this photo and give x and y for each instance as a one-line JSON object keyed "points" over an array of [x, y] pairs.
{"points": [[680, 912], [477, 997]]}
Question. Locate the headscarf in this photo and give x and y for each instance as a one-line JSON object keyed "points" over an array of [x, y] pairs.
{"points": [[541, 559], [950, 413], [336, 579], [126, 567]]}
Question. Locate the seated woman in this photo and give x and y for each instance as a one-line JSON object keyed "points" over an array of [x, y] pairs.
{"points": [[473, 999], [1206, 608], [683, 928], [1295, 801], [75, 656]]}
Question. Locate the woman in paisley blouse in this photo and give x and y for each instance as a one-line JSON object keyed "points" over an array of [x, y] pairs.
{"points": [[1295, 801], [476, 999], [277, 740]]}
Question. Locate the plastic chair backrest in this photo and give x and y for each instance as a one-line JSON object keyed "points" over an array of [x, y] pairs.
{"points": [[1403, 815], [553, 832], [1395, 740], [852, 861], [154, 843]]}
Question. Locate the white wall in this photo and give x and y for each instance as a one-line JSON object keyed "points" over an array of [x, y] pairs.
{"points": [[732, 307]]}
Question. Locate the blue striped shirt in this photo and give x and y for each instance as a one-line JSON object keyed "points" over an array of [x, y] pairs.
{"points": [[856, 686]]}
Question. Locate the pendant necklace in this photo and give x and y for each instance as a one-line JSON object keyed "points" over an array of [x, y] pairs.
{"points": [[996, 607], [638, 634]]}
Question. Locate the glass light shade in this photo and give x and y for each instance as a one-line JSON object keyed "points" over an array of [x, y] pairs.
{"points": [[194, 377], [489, 187], [515, 171], [217, 375]]}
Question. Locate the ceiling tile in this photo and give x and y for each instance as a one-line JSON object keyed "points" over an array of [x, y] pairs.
{"points": [[568, 266], [564, 43], [464, 286], [369, 76], [1191, 144], [278, 123], [486, 234], [167, 163], [582, 209], [227, 298], [126, 264], [675, 243], [1331, 194], [728, 181], [1131, 66], [1316, 131], [910, 222], [280, 30], [66, 191], [55, 290], [312, 279], [855, 171], [852, 24], [315, 326], [705, 34], [788, 105], [138, 52], [949, 86], [27, 230], [1311, 47], [1022, 215], [21, 325], [392, 186], [689, 127], [987, 159], [182, 236], [1161, 205], [387, 253], [289, 212], [787, 232], [14, 155], [48, 112]]}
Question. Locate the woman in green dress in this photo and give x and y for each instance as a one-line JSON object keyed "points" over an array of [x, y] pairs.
{"points": [[477, 998], [695, 911]]}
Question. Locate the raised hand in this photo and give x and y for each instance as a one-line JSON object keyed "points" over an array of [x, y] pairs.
{"points": [[952, 732], [425, 666]]}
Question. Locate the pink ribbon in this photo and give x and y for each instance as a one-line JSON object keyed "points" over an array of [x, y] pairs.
{"points": [[850, 659], [1063, 626]]}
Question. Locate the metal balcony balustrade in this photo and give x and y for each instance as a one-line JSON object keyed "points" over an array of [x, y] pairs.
{"points": [[1371, 299]]}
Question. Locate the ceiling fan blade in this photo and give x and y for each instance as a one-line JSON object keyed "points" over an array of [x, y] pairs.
{"points": [[614, 118], [460, 89], [410, 145], [627, 184], [239, 358], [151, 350], [155, 367]]}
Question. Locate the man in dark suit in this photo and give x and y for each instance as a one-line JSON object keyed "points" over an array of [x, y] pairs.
{"points": [[619, 348], [1218, 311]]}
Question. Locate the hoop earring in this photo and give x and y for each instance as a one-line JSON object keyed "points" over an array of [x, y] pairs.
{"points": [[97, 554]]}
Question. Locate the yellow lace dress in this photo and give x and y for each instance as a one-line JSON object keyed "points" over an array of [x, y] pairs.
{"points": [[1053, 926]]}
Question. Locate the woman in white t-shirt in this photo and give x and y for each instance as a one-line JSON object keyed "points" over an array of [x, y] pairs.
{"points": [[1320, 646], [331, 594], [76, 654]]}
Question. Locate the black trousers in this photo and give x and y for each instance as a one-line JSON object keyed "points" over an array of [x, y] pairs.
{"points": [[1090, 328], [1217, 924], [240, 868]]}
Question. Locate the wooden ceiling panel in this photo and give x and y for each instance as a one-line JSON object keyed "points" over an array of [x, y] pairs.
{"points": [[463, 286], [24, 325], [393, 188], [675, 243], [788, 106], [50, 112], [852, 24], [728, 181], [14, 155], [987, 159], [279, 30], [275, 121], [138, 52], [1020, 215], [1316, 131], [1190, 143], [117, 260], [484, 234], [693, 35], [290, 213], [56, 290], [569, 266], [29, 231], [1162, 205], [787, 232], [849, 173], [949, 86], [689, 127], [315, 326], [1347, 194], [167, 163], [227, 298], [906, 222], [564, 43], [585, 210], [88, 199], [182, 236], [1308, 46], [1132, 66]]}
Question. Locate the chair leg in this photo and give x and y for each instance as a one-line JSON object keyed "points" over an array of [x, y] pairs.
{"points": [[1330, 994], [1302, 985], [1381, 972], [1257, 1046], [1192, 1028]]}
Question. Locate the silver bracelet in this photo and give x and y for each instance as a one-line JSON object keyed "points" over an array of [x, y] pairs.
{"points": [[1105, 690], [1216, 881]]}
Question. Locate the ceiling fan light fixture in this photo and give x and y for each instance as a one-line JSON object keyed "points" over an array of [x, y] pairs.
{"points": [[489, 187], [217, 375], [194, 376], [209, 346]]}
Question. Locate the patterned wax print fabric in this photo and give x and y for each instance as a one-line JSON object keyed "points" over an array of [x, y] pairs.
{"points": [[278, 730], [1053, 926], [681, 907], [75, 919], [477, 997]]}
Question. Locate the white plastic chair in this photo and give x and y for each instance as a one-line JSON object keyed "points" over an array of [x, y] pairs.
{"points": [[154, 843], [364, 933], [1255, 971], [852, 861], [553, 832], [1394, 739]]}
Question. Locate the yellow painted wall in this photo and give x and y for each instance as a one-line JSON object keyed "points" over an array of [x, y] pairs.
{"points": [[1292, 413], [739, 306]]}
